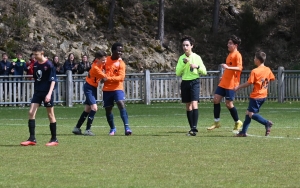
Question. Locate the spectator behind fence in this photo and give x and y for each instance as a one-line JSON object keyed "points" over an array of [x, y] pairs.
{"points": [[5, 67], [30, 64], [59, 70], [58, 65], [70, 64], [84, 65], [18, 66]]}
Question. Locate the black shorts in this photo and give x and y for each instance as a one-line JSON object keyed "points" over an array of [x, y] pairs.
{"points": [[190, 90], [39, 97]]}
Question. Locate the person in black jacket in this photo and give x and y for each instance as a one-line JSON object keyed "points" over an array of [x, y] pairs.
{"points": [[84, 65], [70, 64]]}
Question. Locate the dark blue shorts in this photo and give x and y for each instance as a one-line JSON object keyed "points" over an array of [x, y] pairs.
{"points": [[90, 93], [229, 94], [109, 97], [39, 97], [190, 90], [255, 104]]}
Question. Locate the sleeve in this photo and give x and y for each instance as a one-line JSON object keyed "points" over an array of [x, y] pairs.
{"points": [[239, 62], [52, 75], [271, 76], [80, 68], [180, 66], [202, 68], [61, 70], [251, 77], [120, 73]]}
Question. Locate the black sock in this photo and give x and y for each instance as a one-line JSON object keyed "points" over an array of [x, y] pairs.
{"points": [[53, 131], [90, 119], [82, 119], [234, 114], [217, 110], [189, 115], [31, 127], [195, 118]]}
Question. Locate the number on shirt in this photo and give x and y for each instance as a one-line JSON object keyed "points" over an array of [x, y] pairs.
{"points": [[264, 83]]}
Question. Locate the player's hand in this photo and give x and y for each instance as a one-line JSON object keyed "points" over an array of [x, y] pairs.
{"points": [[48, 98], [103, 80], [236, 88], [185, 60], [224, 66]]}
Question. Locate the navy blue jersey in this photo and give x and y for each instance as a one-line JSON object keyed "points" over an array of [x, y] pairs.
{"points": [[43, 75]]}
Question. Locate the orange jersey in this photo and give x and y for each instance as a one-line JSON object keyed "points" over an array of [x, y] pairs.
{"points": [[115, 71], [95, 75], [260, 78], [231, 78]]}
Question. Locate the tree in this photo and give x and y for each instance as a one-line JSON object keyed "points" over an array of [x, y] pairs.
{"points": [[216, 17], [111, 14], [161, 21]]}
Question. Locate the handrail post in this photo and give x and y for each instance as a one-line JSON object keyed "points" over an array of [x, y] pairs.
{"points": [[69, 89], [147, 83], [281, 93]]}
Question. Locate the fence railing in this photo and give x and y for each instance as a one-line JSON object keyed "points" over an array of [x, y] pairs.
{"points": [[145, 87]]}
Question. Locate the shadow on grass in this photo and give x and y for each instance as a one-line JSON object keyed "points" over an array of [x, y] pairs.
{"points": [[10, 145]]}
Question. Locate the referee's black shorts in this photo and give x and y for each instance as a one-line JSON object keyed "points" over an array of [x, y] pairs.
{"points": [[190, 90]]}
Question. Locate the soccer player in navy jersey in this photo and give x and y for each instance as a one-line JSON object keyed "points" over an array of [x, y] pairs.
{"points": [[44, 75]]}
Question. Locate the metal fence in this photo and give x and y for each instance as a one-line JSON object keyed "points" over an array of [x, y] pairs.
{"points": [[145, 87]]}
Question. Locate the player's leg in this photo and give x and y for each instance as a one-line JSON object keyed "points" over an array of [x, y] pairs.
{"points": [[91, 93], [219, 94], [230, 94], [119, 97], [257, 117], [108, 104], [51, 116], [185, 89], [93, 109], [195, 91], [83, 116], [246, 124], [35, 103]]}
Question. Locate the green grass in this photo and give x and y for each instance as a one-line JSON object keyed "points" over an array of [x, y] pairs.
{"points": [[158, 154]]}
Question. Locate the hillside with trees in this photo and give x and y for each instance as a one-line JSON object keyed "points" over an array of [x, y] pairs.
{"points": [[151, 29]]}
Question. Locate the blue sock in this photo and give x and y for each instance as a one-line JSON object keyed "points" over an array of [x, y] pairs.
{"points": [[259, 119], [90, 119], [246, 124], [217, 110], [82, 119], [110, 120], [124, 117], [234, 114]]}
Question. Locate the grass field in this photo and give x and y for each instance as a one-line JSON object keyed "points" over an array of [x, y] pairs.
{"points": [[158, 154]]}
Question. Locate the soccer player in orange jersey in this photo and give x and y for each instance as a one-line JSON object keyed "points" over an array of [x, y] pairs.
{"points": [[229, 80], [260, 77], [113, 89], [90, 90]]}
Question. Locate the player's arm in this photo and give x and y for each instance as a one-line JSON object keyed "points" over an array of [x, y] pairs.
{"points": [[246, 84], [52, 78], [181, 65], [201, 68]]}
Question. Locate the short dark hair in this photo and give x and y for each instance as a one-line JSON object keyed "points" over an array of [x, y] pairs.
{"points": [[4, 54], [261, 56], [235, 40], [115, 45], [37, 48], [188, 38], [100, 54]]}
